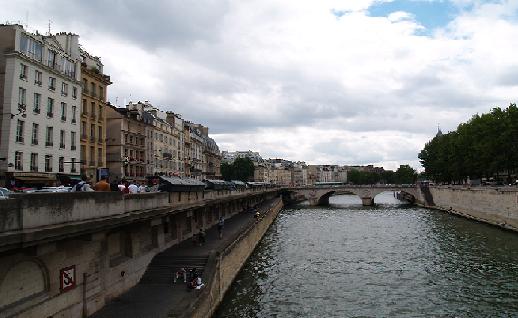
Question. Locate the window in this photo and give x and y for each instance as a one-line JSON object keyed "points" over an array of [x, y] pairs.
{"points": [[48, 163], [101, 92], [63, 111], [83, 154], [50, 107], [92, 107], [74, 109], [35, 131], [99, 157], [18, 160], [51, 61], [37, 77], [92, 89], [21, 96], [85, 86], [73, 167], [92, 156], [52, 83], [74, 92], [61, 164], [84, 110], [23, 71], [100, 134], [72, 140], [31, 47], [92, 131], [37, 103], [83, 130], [19, 130], [62, 139], [34, 162], [49, 138], [64, 89], [100, 113]]}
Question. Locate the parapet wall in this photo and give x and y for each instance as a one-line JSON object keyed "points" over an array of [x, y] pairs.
{"points": [[223, 267], [497, 206]]}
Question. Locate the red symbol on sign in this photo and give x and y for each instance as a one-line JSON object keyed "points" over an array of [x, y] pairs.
{"points": [[67, 278]]}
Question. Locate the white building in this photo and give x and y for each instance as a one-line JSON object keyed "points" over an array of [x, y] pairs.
{"points": [[40, 92]]}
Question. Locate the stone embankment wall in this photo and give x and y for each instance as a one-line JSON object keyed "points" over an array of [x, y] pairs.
{"points": [[224, 266], [497, 206]]}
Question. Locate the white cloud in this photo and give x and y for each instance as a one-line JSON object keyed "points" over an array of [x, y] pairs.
{"points": [[291, 79]]}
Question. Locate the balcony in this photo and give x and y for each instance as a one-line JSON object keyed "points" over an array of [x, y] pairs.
{"points": [[92, 116], [36, 110], [100, 140], [38, 83], [83, 137], [73, 120], [50, 115], [34, 168], [61, 146], [23, 77], [52, 88], [19, 139], [64, 94], [34, 142], [48, 169], [49, 144], [63, 118], [73, 147]]}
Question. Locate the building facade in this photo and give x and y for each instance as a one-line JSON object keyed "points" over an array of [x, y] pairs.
{"points": [[40, 92], [126, 129], [93, 116]]}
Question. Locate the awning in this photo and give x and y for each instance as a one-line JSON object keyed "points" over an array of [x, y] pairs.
{"points": [[175, 184]]}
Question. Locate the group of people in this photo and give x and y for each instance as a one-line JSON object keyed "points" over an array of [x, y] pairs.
{"points": [[123, 186], [192, 278]]}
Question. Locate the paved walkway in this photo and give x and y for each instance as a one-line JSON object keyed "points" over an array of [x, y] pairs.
{"points": [[155, 295]]}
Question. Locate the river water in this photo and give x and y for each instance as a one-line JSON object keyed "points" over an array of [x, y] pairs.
{"points": [[391, 260]]}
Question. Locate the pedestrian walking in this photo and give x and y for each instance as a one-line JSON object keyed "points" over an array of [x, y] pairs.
{"points": [[221, 224], [102, 185]]}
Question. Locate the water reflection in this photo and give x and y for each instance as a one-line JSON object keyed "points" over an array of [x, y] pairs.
{"points": [[391, 260]]}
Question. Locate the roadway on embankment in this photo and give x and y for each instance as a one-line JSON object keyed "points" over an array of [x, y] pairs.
{"points": [[157, 299]]}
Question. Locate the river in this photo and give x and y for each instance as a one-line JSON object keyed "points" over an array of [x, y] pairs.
{"points": [[390, 260]]}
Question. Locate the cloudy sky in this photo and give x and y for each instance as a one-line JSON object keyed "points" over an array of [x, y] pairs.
{"points": [[343, 82]]}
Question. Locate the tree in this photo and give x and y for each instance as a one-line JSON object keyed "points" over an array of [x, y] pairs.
{"points": [[241, 169]]}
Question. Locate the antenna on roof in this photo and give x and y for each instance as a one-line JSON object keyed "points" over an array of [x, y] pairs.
{"points": [[50, 22], [27, 20], [116, 100]]}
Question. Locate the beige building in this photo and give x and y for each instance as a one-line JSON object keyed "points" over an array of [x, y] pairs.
{"points": [[126, 130], [93, 116]]}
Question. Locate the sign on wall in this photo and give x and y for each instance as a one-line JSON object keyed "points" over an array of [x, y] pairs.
{"points": [[67, 277]]}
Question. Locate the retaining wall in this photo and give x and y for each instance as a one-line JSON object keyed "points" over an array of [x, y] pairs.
{"points": [[497, 206], [223, 267]]}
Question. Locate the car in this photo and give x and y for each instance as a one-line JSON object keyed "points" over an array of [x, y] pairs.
{"points": [[4, 193]]}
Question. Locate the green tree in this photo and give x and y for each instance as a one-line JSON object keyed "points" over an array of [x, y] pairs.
{"points": [[241, 169]]}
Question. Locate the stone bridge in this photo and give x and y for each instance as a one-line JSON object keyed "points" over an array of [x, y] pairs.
{"points": [[318, 195]]}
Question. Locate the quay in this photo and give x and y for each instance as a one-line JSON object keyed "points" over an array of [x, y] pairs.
{"points": [[69, 254]]}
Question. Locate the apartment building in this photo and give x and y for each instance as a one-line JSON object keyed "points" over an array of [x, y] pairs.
{"points": [[40, 92], [126, 130], [93, 117]]}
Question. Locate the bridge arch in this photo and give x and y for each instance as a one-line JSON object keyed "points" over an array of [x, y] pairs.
{"points": [[14, 290]]}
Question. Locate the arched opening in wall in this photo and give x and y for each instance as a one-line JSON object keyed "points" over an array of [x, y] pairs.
{"points": [[345, 198], [24, 281], [388, 198]]}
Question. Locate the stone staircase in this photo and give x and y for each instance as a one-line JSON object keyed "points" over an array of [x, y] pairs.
{"points": [[162, 268]]}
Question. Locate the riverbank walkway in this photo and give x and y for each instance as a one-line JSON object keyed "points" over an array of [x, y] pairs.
{"points": [[156, 296]]}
